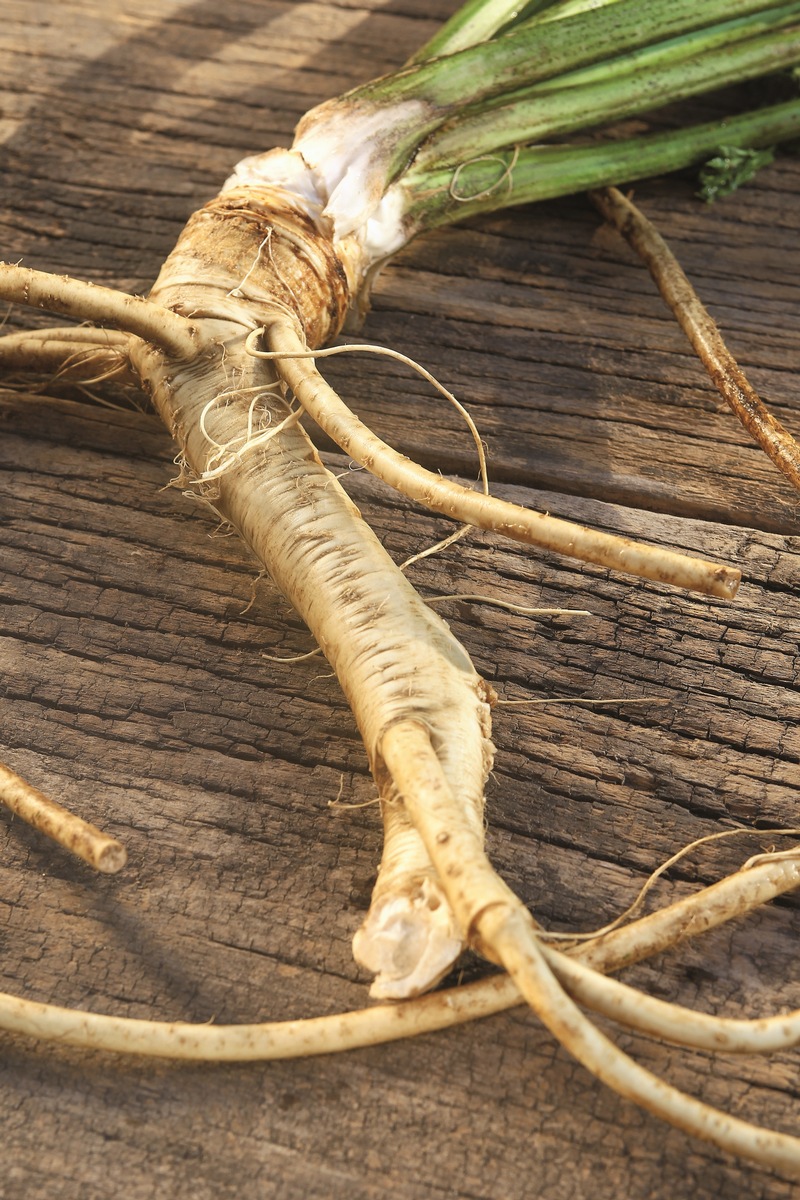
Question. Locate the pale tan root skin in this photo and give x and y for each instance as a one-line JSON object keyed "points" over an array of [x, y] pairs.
{"points": [[694, 915], [243, 272], [476, 508], [701, 330], [73, 353], [394, 657]]}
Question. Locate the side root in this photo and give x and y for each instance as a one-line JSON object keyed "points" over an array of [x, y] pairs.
{"points": [[172, 333], [76, 354], [492, 915], [473, 508], [701, 330], [86, 841]]}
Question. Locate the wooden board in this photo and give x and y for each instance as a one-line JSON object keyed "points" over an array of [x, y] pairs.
{"points": [[135, 685]]}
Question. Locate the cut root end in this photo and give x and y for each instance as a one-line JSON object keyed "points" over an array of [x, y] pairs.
{"points": [[408, 942], [79, 837]]}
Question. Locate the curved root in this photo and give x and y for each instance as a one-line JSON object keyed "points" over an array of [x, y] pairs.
{"points": [[490, 912], [701, 330], [704, 910], [672, 1022], [441, 495]]}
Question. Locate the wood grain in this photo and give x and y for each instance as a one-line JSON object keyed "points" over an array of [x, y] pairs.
{"points": [[134, 686]]}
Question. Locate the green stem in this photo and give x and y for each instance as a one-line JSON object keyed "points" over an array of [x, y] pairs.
{"points": [[530, 14], [481, 20], [475, 22], [567, 109], [675, 50], [529, 55], [544, 172]]}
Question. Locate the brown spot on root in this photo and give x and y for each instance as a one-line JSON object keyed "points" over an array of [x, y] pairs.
{"points": [[253, 244]]}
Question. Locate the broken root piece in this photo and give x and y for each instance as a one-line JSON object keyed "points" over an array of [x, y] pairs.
{"points": [[409, 938], [701, 330], [82, 839]]}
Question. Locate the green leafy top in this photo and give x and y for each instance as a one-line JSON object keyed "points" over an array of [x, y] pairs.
{"points": [[729, 169]]}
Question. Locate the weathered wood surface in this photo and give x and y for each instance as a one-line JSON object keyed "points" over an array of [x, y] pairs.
{"points": [[134, 685]]}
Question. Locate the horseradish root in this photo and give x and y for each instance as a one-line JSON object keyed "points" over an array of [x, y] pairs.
{"points": [[261, 278], [394, 657]]}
